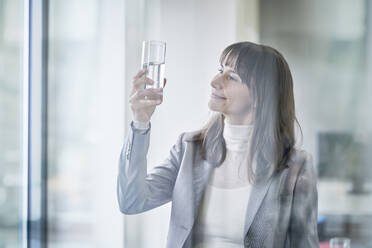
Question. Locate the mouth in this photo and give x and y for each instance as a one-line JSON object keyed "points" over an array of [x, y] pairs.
{"points": [[218, 97]]}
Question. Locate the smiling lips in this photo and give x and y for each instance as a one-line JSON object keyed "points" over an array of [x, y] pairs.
{"points": [[217, 96]]}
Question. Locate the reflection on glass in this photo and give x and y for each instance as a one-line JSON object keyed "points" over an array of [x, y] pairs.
{"points": [[326, 44], [329, 63], [11, 35]]}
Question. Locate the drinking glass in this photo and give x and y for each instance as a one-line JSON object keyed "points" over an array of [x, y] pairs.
{"points": [[153, 59], [340, 243]]}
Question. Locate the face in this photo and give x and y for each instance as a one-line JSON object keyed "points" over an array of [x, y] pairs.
{"points": [[229, 95]]}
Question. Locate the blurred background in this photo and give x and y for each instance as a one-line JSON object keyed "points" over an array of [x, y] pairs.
{"points": [[65, 78]]}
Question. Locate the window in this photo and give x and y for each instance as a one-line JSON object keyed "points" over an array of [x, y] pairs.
{"points": [[11, 110]]}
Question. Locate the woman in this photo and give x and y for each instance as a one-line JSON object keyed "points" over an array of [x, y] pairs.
{"points": [[239, 181]]}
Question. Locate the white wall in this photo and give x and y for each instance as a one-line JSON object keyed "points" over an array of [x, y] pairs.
{"points": [[85, 122], [108, 132]]}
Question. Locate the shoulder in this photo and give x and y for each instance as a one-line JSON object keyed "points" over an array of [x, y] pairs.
{"points": [[191, 136], [299, 175], [301, 167], [300, 160], [185, 137]]}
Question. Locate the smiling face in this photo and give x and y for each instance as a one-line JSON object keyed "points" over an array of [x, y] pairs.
{"points": [[231, 96]]}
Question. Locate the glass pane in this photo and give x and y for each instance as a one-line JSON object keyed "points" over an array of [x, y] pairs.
{"points": [[326, 46], [11, 76], [85, 88]]}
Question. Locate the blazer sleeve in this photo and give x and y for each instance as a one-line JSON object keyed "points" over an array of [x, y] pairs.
{"points": [[303, 226], [137, 190]]}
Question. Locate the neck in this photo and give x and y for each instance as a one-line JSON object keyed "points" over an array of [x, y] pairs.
{"points": [[240, 119], [237, 136]]}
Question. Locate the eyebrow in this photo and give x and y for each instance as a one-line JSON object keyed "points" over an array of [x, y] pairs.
{"points": [[229, 69], [236, 74]]}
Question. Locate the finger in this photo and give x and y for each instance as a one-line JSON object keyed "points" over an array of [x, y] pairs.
{"points": [[146, 94], [138, 83], [140, 73], [141, 81], [146, 103], [151, 94]]}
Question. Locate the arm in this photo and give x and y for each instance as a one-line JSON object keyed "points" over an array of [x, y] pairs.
{"points": [[303, 226], [137, 190]]}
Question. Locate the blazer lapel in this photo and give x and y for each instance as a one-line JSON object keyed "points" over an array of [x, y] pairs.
{"points": [[200, 178], [258, 193]]}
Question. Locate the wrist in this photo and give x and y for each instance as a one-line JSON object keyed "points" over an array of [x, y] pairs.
{"points": [[140, 118], [141, 124]]}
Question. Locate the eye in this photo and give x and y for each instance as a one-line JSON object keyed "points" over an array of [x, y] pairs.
{"points": [[231, 78]]}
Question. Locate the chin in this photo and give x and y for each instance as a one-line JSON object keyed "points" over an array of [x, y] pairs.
{"points": [[213, 107]]}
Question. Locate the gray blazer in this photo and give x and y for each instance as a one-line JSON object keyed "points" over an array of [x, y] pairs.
{"points": [[281, 212]]}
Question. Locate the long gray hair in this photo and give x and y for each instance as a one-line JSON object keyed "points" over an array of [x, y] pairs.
{"points": [[266, 73]]}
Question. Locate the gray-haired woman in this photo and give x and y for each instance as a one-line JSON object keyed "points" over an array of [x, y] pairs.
{"points": [[239, 181]]}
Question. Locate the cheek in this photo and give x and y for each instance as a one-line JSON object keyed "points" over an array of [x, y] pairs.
{"points": [[240, 100], [240, 96]]}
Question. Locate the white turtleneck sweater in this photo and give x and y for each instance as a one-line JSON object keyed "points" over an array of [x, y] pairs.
{"points": [[221, 218]]}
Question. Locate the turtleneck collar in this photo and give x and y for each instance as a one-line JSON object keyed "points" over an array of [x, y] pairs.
{"points": [[237, 136]]}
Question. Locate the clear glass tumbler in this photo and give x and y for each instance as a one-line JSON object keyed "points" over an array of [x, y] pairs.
{"points": [[153, 59], [339, 243]]}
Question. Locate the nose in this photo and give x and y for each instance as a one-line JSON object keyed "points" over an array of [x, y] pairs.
{"points": [[217, 83]]}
